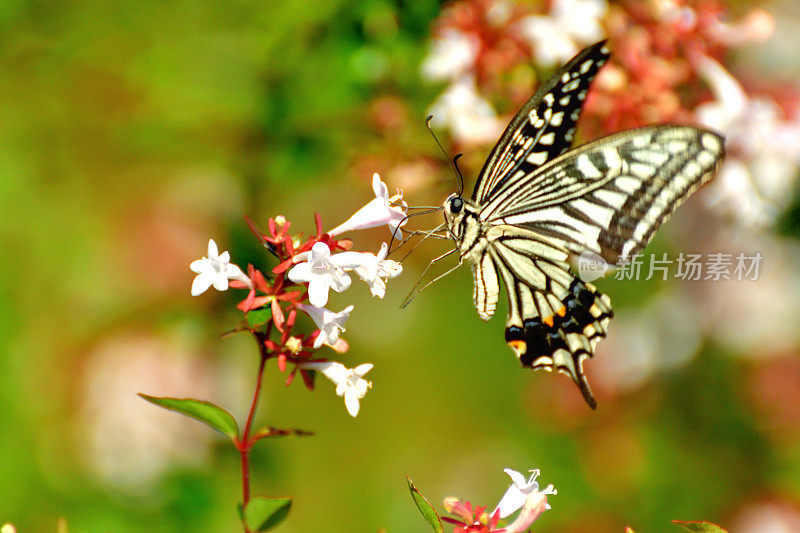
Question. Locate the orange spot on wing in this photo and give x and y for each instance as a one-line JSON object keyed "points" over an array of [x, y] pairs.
{"points": [[548, 320], [519, 347], [562, 311]]}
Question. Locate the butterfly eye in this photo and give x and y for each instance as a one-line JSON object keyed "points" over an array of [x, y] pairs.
{"points": [[456, 204]]}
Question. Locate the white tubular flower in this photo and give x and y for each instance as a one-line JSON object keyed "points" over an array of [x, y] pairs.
{"points": [[755, 180], [215, 270], [520, 492], [571, 24], [470, 117], [374, 269], [452, 54], [349, 381], [378, 211], [330, 324], [322, 272]]}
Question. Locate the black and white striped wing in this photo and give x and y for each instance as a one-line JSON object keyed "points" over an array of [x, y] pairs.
{"points": [[609, 196], [554, 319], [544, 127]]}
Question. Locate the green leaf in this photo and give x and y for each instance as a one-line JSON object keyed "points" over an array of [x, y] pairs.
{"points": [[263, 514], [699, 527], [211, 415], [259, 317], [425, 507]]}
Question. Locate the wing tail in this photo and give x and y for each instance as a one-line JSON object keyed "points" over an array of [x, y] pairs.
{"points": [[569, 338]]}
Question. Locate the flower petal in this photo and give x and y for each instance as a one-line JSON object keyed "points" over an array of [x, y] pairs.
{"points": [[362, 369], [213, 252], [300, 273], [511, 501], [379, 187], [351, 401], [201, 284], [221, 282], [318, 292], [516, 478]]}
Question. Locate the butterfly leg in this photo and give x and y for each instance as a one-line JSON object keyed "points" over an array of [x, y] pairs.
{"points": [[415, 291]]}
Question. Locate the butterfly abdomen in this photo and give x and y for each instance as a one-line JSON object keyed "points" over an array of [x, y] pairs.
{"points": [[563, 341]]}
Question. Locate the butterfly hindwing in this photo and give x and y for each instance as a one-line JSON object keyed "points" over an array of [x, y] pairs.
{"points": [[554, 319], [544, 127]]}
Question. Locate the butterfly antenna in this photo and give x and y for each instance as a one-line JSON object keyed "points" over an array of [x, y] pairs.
{"points": [[452, 162], [460, 176]]}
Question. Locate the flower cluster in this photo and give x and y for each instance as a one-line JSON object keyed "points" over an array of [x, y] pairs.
{"points": [[522, 495], [305, 274], [668, 58]]}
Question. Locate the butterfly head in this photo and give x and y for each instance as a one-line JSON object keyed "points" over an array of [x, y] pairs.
{"points": [[453, 212], [460, 215]]}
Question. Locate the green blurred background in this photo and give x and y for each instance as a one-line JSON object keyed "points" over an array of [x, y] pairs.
{"points": [[133, 131]]}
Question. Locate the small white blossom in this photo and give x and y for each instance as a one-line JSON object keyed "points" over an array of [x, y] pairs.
{"points": [[322, 272], [470, 118], [374, 269], [216, 270], [379, 211], [520, 492], [756, 178], [330, 324], [452, 54], [349, 382], [570, 25]]}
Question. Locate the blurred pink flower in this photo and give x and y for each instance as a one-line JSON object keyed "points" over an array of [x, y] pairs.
{"points": [[470, 118], [763, 160], [126, 443], [453, 53], [569, 26]]}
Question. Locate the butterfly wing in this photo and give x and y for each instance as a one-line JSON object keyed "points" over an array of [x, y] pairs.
{"points": [[611, 195], [544, 127], [554, 319]]}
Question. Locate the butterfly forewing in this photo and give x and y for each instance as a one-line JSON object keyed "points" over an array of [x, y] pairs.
{"points": [[611, 195], [544, 127]]}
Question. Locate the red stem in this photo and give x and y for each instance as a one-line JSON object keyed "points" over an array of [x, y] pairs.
{"points": [[244, 443]]}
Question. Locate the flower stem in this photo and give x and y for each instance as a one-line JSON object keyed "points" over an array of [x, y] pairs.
{"points": [[245, 443]]}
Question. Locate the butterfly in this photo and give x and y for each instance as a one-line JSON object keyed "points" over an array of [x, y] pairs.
{"points": [[537, 203]]}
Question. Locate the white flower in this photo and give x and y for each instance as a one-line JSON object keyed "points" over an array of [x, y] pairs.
{"points": [[520, 492], [569, 26], [349, 381], [374, 269], [756, 178], [330, 324], [378, 211], [321, 271], [215, 270], [452, 54], [8, 528], [470, 118]]}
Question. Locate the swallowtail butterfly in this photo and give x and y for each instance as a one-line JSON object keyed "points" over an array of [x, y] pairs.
{"points": [[536, 203]]}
